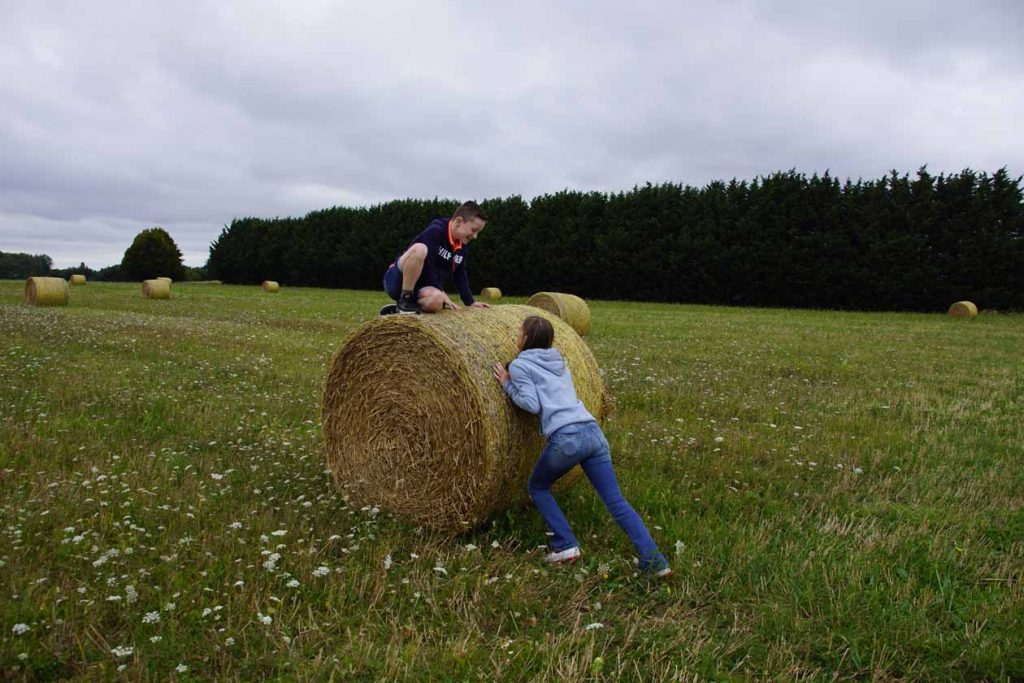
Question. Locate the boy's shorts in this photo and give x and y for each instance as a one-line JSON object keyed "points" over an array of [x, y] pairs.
{"points": [[393, 283]]}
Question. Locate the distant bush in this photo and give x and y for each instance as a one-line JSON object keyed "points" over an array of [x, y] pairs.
{"points": [[152, 254]]}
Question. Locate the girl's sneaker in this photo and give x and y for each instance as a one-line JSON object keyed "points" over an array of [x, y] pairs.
{"points": [[568, 555], [663, 573]]}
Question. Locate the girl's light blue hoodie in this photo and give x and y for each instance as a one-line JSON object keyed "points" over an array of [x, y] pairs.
{"points": [[540, 383]]}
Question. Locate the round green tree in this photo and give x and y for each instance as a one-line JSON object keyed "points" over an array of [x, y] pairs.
{"points": [[152, 254]]}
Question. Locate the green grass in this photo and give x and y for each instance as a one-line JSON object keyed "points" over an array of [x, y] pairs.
{"points": [[841, 495]]}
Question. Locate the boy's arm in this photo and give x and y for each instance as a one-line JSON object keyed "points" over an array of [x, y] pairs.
{"points": [[521, 390], [462, 280]]}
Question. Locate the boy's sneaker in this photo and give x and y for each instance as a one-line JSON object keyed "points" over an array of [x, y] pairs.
{"points": [[388, 309], [663, 573], [568, 555], [408, 307]]}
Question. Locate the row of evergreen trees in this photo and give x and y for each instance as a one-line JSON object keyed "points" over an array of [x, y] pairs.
{"points": [[896, 243]]}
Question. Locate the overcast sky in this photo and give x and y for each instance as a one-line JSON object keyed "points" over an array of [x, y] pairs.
{"points": [[117, 116]]}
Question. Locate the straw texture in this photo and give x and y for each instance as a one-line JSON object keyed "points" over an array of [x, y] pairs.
{"points": [[156, 289], [46, 291], [270, 286], [963, 309], [568, 307], [415, 422], [490, 293], [77, 279]]}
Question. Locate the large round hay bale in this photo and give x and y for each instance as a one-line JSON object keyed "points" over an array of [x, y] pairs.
{"points": [[415, 423], [963, 309], [46, 291], [156, 289], [568, 307], [270, 286], [490, 293], [77, 279]]}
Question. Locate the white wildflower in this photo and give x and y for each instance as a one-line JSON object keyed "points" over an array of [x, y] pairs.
{"points": [[122, 651], [265, 619], [680, 546], [19, 629], [324, 571], [594, 626], [181, 668], [441, 570], [216, 476], [294, 583], [387, 562], [151, 618], [279, 532], [229, 641]]}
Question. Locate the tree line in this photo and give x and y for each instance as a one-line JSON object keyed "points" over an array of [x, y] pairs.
{"points": [[153, 253], [895, 243]]}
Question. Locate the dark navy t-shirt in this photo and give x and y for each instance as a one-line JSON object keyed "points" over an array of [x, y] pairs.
{"points": [[445, 258]]}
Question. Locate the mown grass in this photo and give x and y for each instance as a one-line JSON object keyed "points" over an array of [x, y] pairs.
{"points": [[840, 494]]}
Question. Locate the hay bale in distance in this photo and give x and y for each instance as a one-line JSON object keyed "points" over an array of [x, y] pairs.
{"points": [[568, 307], [156, 289], [270, 286], [490, 293], [414, 421], [77, 279], [963, 309], [46, 291]]}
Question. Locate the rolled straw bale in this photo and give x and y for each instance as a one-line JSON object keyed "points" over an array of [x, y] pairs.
{"points": [[415, 422], [46, 291], [156, 289], [963, 309], [490, 293], [270, 286], [568, 307], [77, 279]]}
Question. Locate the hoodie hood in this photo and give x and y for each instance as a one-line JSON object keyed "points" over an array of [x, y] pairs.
{"points": [[547, 360]]}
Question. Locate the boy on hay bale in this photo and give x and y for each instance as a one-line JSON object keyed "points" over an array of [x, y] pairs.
{"points": [[416, 278]]}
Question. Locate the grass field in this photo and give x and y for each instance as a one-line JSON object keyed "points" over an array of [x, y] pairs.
{"points": [[841, 496]]}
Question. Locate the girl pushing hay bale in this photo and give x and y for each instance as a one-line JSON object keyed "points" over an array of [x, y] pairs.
{"points": [[568, 307], [413, 421], [539, 382], [46, 291], [156, 289], [270, 286]]}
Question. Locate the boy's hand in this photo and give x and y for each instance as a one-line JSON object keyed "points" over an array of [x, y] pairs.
{"points": [[479, 304], [501, 374]]}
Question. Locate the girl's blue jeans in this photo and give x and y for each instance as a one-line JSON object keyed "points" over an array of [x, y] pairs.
{"points": [[584, 444]]}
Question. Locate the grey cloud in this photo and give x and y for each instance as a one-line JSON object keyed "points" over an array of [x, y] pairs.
{"points": [[119, 117]]}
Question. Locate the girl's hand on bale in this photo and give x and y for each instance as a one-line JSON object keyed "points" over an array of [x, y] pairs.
{"points": [[480, 304], [500, 374]]}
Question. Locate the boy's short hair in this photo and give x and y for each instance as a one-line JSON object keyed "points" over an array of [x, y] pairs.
{"points": [[538, 333], [468, 211]]}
